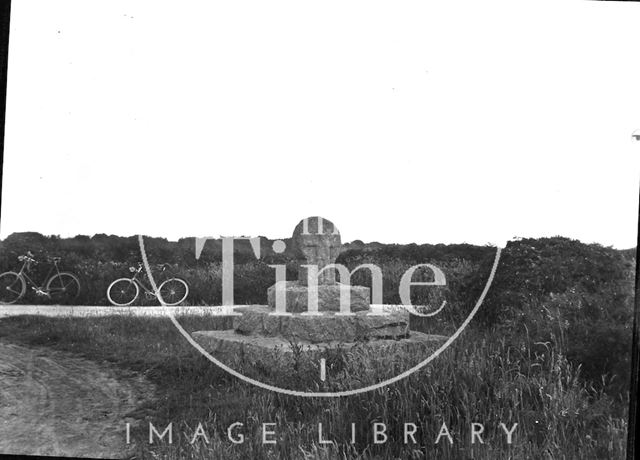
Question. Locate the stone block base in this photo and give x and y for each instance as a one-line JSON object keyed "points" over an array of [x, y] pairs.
{"points": [[327, 327], [297, 296], [227, 345]]}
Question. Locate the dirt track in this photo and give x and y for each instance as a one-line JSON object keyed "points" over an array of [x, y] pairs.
{"points": [[53, 403]]}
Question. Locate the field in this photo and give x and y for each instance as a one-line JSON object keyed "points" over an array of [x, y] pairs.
{"points": [[549, 351], [479, 379]]}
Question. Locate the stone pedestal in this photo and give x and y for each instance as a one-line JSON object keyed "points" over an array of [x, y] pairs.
{"points": [[227, 345], [297, 296], [258, 330], [326, 327]]}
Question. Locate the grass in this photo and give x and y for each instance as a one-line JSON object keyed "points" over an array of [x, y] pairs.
{"points": [[480, 378]]}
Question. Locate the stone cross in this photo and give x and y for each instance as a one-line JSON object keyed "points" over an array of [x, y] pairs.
{"points": [[317, 242]]}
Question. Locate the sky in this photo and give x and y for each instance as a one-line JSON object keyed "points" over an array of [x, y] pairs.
{"points": [[400, 122]]}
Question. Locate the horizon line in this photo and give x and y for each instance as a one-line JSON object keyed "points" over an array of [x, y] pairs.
{"points": [[514, 238]]}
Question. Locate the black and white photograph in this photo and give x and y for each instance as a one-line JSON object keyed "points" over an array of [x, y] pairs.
{"points": [[319, 230]]}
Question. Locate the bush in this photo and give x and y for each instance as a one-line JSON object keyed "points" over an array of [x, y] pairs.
{"points": [[574, 296]]}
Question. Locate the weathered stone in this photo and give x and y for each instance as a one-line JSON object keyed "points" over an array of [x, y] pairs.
{"points": [[297, 296], [271, 325], [316, 329], [227, 345], [394, 326], [257, 320], [336, 328], [316, 242], [249, 323]]}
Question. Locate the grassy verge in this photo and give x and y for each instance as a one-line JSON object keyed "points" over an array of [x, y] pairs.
{"points": [[479, 379]]}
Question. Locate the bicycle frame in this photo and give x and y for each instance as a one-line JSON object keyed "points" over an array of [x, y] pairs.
{"points": [[139, 282], [26, 266]]}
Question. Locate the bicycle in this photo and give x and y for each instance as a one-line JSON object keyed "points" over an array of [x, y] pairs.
{"points": [[61, 286], [124, 291]]}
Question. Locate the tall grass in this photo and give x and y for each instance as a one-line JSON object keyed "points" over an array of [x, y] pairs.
{"points": [[480, 378]]}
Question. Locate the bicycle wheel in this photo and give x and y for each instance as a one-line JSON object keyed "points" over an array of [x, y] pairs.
{"points": [[63, 287], [123, 292], [12, 287], [173, 291]]}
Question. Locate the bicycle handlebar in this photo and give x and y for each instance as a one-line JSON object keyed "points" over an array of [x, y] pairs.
{"points": [[165, 264], [27, 258], [162, 266]]}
